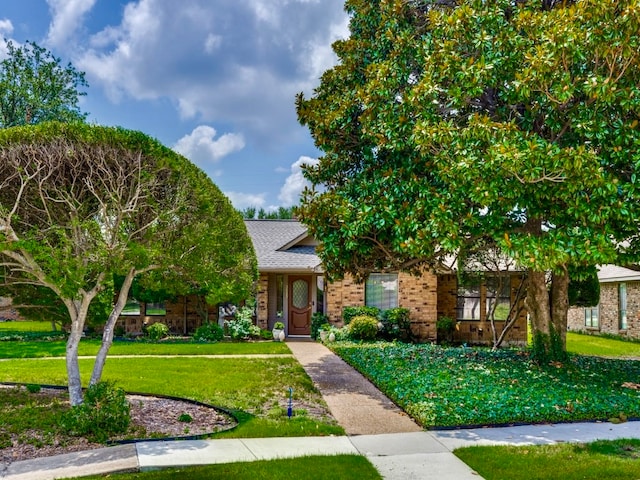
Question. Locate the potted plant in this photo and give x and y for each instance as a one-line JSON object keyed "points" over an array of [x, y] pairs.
{"points": [[278, 331], [324, 332]]}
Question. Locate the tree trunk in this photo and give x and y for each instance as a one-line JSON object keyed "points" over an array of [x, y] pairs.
{"points": [[548, 314], [78, 313], [560, 307], [109, 328]]}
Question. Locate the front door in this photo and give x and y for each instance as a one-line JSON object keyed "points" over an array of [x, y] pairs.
{"points": [[299, 304]]}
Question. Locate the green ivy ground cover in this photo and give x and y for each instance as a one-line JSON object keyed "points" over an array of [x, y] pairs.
{"points": [[445, 387]]}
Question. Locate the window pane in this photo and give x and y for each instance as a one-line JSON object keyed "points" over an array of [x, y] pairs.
{"points": [[155, 308], [320, 294], [468, 303], [131, 308], [622, 307], [279, 296], [300, 294], [499, 291], [381, 291]]}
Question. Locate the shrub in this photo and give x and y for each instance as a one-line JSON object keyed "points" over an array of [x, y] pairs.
{"points": [[445, 327], [185, 418], [317, 321], [396, 324], [209, 332], [157, 330], [240, 326], [349, 312], [105, 412], [363, 327]]}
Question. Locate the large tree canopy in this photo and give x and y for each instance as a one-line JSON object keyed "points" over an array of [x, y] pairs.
{"points": [[35, 87], [82, 204], [448, 125]]}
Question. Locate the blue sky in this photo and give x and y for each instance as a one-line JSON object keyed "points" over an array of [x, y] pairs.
{"points": [[213, 79]]}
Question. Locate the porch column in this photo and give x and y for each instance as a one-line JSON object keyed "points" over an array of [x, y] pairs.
{"points": [[262, 308]]}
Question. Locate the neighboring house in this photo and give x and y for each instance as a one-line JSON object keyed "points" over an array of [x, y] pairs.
{"points": [[619, 309], [292, 287]]}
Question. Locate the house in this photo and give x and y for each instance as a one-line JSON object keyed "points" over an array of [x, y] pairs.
{"points": [[619, 310], [292, 287]]}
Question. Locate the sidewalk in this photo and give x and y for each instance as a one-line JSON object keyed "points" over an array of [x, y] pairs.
{"points": [[375, 427]]}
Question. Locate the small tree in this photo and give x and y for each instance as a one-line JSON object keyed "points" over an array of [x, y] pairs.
{"points": [[35, 87], [80, 204]]}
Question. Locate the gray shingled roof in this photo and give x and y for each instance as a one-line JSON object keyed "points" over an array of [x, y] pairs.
{"points": [[614, 273], [280, 246]]}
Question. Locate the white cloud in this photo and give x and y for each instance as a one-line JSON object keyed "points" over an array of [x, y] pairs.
{"points": [[295, 182], [239, 61], [67, 16], [6, 29], [244, 200], [203, 148]]}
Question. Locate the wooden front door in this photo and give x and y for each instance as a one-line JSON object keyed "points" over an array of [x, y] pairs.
{"points": [[300, 304]]}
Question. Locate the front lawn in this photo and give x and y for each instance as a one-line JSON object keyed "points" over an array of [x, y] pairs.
{"points": [[611, 460], [345, 467], [89, 347], [446, 387], [257, 389], [584, 344]]}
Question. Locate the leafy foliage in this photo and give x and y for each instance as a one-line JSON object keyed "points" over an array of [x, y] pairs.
{"points": [[363, 327], [349, 312], [317, 321], [80, 204], [209, 332], [105, 412], [241, 326], [396, 324], [157, 331], [35, 87], [584, 288], [449, 128], [473, 386]]}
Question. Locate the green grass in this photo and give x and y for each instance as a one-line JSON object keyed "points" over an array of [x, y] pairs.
{"points": [[25, 326], [443, 387], [345, 467], [89, 347], [256, 387], [611, 460], [607, 347]]}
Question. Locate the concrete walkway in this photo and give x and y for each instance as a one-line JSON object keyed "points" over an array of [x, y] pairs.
{"points": [[375, 427], [358, 406]]}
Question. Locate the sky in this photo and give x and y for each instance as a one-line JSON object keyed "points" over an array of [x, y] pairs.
{"points": [[213, 79]]}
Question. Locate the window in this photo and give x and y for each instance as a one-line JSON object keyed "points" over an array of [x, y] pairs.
{"points": [[499, 294], [131, 308], [622, 306], [279, 296], [155, 309], [381, 290], [591, 317], [468, 303], [320, 294]]}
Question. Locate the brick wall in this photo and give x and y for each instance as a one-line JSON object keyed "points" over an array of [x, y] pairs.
{"points": [[420, 295], [262, 307], [182, 316], [417, 293], [344, 293]]}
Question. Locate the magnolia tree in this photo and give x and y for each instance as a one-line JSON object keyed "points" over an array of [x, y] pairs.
{"points": [[448, 124], [80, 205]]}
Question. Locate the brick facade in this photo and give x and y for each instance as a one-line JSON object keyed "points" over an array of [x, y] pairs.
{"points": [[417, 293], [609, 311], [262, 301], [183, 316]]}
